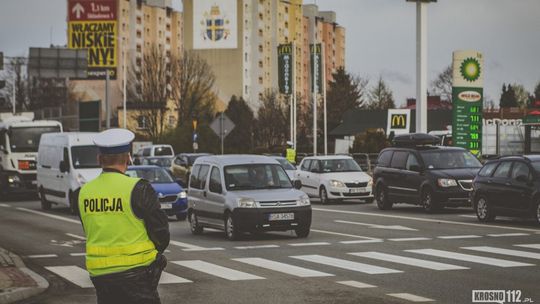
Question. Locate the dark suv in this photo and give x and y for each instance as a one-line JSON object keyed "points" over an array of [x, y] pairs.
{"points": [[416, 172], [508, 186]]}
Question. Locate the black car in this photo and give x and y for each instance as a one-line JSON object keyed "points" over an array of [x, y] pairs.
{"points": [[508, 186], [415, 171]]}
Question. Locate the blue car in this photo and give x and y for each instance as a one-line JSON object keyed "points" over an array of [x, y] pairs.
{"points": [[172, 197]]}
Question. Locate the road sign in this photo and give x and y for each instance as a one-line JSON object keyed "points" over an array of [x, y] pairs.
{"points": [[285, 64], [222, 126], [398, 121]]}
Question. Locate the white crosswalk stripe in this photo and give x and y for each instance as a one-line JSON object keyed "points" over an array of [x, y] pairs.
{"points": [[469, 258], [81, 278], [518, 253], [356, 284], [407, 261], [284, 268], [218, 271], [533, 246], [345, 264], [410, 297]]}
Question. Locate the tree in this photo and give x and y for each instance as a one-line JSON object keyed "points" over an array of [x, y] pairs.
{"points": [[522, 96], [15, 77], [537, 91], [345, 92], [240, 140], [371, 141], [272, 121], [508, 97], [151, 91], [380, 96], [442, 85]]}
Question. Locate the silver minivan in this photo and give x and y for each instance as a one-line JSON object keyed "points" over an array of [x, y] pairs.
{"points": [[245, 193]]}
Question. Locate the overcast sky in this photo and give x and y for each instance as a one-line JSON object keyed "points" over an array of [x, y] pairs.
{"points": [[380, 37]]}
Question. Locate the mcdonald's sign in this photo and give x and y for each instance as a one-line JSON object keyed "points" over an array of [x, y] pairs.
{"points": [[285, 66], [399, 121]]}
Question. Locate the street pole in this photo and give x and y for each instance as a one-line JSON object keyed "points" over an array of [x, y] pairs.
{"points": [[324, 99], [107, 109], [222, 132], [125, 81], [314, 76], [294, 94], [13, 100]]}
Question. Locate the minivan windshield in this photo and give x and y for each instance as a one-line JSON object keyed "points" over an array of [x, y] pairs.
{"points": [[536, 166], [340, 165], [256, 176], [452, 159], [154, 175], [285, 164], [84, 157], [26, 139], [163, 151]]}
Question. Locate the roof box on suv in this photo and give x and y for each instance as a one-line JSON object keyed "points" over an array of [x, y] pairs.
{"points": [[415, 139]]}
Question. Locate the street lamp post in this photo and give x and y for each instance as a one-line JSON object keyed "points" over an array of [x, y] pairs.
{"points": [[421, 64]]}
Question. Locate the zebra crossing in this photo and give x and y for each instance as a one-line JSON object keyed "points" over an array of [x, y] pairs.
{"points": [[365, 262]]}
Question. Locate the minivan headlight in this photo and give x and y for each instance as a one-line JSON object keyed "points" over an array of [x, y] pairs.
{"points": [[370, 182], [246, 203], [80, 179], [182, 194], [337, 184], [303, 201], [446, 182]]}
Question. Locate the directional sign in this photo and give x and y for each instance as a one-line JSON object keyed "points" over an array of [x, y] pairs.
{"points": [[222, 125], [86, 10]]}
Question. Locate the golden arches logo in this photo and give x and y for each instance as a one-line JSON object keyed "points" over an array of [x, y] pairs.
{"points": [[398, 121]]}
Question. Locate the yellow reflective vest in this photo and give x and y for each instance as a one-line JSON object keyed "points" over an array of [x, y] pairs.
{"points": [[291, 156], [116, 240]]}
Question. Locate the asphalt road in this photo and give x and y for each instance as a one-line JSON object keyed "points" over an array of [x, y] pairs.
{"points": [[354, 254]]}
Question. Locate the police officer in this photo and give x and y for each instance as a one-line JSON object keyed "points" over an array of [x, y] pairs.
{"points": [[290, 153], [126, 231]]}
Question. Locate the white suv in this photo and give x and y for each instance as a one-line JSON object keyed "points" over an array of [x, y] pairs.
{"points": [[334, 178]]}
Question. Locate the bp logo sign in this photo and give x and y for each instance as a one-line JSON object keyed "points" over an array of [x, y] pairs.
{"points": [[470, 69]]}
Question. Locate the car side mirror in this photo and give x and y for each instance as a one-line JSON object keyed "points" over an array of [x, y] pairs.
{"points": [[522, 179], [297, 184], [415, 168], [64, 166]]}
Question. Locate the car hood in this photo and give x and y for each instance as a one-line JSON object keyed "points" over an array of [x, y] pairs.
{"points": [[346, 177], [167, 189], [459, 174], [264, 195]]}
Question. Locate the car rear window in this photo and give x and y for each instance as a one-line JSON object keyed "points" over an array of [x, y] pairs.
{"points": [[163, 151], [488, 169], [399, 159], [385, 158]]}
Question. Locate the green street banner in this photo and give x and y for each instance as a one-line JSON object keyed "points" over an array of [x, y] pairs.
{"points": [[285, 64], [315, 51], [467, 100]]}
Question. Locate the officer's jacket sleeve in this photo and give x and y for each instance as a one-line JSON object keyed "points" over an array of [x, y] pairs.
{"points": [[145, 205]]}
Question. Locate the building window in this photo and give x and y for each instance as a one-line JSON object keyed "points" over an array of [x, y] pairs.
{"points": [[141, 123], [172, 121], [139, 20], [139, 48], [260, 48], [260, 63], [139, 34], [260, 80], [168, 26]]}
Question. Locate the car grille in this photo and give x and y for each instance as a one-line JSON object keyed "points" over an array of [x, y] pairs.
{"points": [[466, 184], [356, 185], [277, 203], [168, 199]]}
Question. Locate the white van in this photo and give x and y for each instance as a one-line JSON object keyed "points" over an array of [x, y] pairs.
{"points": [[152, 151], [66, 161]]}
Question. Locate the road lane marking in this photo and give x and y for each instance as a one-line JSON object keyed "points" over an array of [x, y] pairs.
{"points": [[345, 264], [41, 256], [203, 249], [168, 278], [362, 241], [342, 234], [407, 261], [468, 216], [508, 234], [423, 219], [469, 258], [76, 236], [310, 244], [78, 254], [410, 297], [392, 227], [453, 237], [218, 271], [356, 284], [191, 247], [257, 247], [410, 239], [511, 252], [73, 274], [284, 268], [534, 246], [57, 217], [5, 205]]}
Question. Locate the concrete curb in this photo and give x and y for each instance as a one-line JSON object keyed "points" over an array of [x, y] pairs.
{"points": [[14, 294]]}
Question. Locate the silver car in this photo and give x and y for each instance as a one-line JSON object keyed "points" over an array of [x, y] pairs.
{"points": [[245, 193]]}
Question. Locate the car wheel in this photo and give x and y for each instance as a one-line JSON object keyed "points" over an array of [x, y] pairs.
{"points": [[428, 202], [537, 213], [181, 217], [383, 201], [484, 212], [231, 231], [302, 232], [45, 204], [194, 225], [323, 194]]}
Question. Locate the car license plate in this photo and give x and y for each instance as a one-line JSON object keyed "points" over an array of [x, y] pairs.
{"points": [[281, 216], [166, 206], [357, 190]]}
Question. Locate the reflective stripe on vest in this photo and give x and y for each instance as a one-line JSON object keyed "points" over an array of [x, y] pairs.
{"points": [[116, 240], [291, 155]]}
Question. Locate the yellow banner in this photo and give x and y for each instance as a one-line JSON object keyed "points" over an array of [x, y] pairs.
{"points": [[99, 38]]}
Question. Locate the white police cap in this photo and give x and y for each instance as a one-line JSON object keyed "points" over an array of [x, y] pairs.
{"points": [[114, 141]]}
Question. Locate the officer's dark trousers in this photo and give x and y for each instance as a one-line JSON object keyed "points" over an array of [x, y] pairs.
{"points": [[134, 286]]}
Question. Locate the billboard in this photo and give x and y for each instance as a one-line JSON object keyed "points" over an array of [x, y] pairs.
{"points": [[215, 24], [398, 121], [467, 100], [285, 64], [92, 26], [316, 56]]}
